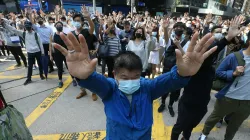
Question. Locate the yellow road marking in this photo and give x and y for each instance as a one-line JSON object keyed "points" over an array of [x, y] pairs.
{"points": [[46, 103], [52, 76], [158, 130], [11, 67], [91, 135]]}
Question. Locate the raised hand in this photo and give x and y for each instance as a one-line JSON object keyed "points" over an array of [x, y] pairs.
{"points": [[166, 23], [234, 29], [209, 18], [191, 61], [85, 12], [77, 56]]}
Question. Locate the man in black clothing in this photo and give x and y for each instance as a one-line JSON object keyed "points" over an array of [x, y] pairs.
{"points": [[170, 61], [125, 35], [78, 22], [196, 96]]}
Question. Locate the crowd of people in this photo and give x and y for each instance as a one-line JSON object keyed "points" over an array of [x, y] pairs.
{"points": [[172, 52]]}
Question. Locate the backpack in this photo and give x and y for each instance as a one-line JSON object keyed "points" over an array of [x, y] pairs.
{"points": [[218, 83], [36, 38]]}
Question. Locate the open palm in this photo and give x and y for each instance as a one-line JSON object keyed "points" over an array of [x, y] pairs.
{"points": [[191, 61], [77, 56]]}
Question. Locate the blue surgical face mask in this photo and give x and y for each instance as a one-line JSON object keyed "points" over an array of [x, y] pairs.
{"points": [[183, 37], [129, 86], [77, 25], [154, 34]]}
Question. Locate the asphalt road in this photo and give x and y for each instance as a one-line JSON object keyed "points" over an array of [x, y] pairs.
{"points": [[55, 114]]}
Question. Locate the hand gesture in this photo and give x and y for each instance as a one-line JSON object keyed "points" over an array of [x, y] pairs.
{"points": [[239, 71], [209, 18], [77, 56], [85, 12], [191, 61], [234, 27], [166, 23], [177, 42]]}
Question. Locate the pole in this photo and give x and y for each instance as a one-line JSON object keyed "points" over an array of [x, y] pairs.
{"points": [[132, 7], [189, 9], [94, 6]]}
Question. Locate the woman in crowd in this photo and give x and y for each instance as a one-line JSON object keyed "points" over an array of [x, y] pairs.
{"points": [[139, 45], [113, 42], [56, 55]]}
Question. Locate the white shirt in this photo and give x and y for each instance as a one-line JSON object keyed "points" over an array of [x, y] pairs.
{"points": [[67, 29], [30, 40]]}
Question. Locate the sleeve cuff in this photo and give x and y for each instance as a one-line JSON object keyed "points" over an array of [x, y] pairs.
{"points": [[90, 77], [176, 75]]}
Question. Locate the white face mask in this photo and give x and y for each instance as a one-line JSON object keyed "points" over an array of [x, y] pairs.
{"points": [[188, 25], [211, 26], [218, 36], [154, 34]]}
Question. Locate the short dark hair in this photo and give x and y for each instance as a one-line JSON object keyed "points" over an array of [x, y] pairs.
{"points": [[214, 28], [128, 60], [126, 23], [63, 18], [189, 31], [50, 18], [58, 22], [78, 15], [143, 34], [180, 24]]}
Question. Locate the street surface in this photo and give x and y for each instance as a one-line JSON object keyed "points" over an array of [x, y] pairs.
{"points": [[52, 113]]}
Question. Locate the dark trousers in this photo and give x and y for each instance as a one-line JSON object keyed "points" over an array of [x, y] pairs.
{"points": [[103, 65], [31, 60], [3, 48], [46, 53], [174, 96], [110, 63], [188, 118], [59, 59], [17, 51], [240, 112]]}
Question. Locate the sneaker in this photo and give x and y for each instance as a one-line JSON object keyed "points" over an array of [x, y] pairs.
{"points": [[218, 125], [161, 108], [42, 77], [34, 67], [18, 65], [202, 137], [94, 97], [74, 83], [82, 94], [171, 111], [60, 84], [27, 82]]}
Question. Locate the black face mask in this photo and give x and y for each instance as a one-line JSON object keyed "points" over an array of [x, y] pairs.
{"points": [[178, 32], [28, 28], [40, 22], [59, 29], [138, 35]]}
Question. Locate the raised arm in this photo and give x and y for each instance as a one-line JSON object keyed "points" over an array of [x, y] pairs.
{"points": [[81, 67], [4, 22], [87, 16], [187, 65], [165, 25]]}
